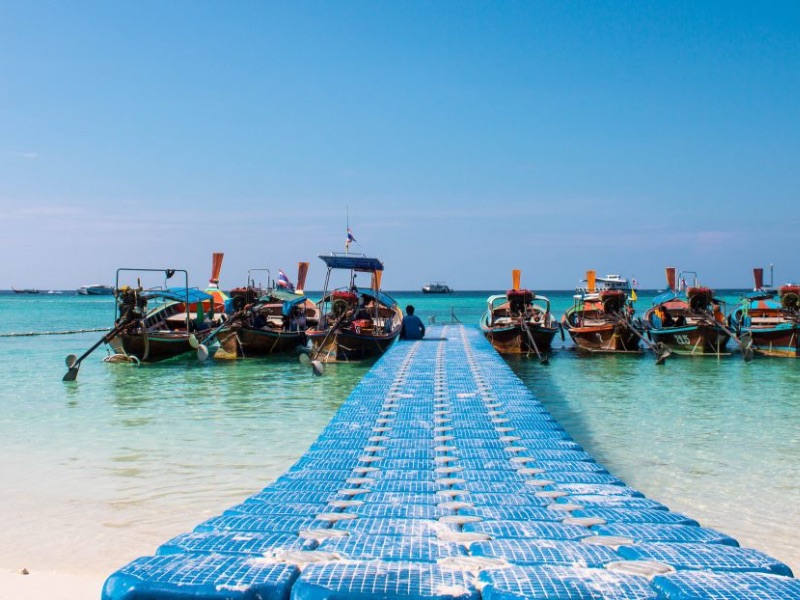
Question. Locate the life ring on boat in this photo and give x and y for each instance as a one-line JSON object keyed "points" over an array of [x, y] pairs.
{"points": [[339, 306]]}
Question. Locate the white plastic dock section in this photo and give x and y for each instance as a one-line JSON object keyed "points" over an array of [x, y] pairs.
{"points": [[442, 477]]}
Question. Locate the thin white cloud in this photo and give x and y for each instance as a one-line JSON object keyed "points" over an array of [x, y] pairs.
{"points": [[44, 211]]}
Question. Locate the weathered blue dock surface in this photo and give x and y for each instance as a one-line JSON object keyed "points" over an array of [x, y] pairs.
{"points": [[442, 477]]}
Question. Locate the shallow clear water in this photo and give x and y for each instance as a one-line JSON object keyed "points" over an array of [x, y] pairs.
{"points": [[103, 470]]}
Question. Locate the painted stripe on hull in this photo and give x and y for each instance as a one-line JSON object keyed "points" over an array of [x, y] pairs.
{"points": [[157, 346]]}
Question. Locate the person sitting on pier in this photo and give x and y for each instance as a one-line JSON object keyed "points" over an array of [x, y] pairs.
{"points": [[412, 328]]}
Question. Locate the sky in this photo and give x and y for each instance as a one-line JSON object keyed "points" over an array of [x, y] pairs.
{"points": [[459, 140]]}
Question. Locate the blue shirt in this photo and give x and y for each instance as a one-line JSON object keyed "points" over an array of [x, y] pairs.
{"points": [[412, 329]]}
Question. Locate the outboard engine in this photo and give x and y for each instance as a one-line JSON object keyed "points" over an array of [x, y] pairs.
{"points": [[613, 300], [790, 297], [518, 301], [699, 298], [342, 301], [132, 305]]}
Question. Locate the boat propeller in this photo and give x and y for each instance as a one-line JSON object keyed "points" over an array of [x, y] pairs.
{"points": [[317, 368], [659, 349]]}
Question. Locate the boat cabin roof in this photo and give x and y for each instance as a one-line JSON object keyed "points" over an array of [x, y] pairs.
{"points": [[499, 299], [179, 294], [369, 294], [285, 295], [763, 304], [665, 297], [355, 262], [761, 294]]}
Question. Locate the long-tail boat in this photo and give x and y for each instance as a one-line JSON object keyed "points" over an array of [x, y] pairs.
{"points": [[268, 320], [161, 323], [519, 321], [601, 317], [355, 322], [687, 319], [770, 318]]}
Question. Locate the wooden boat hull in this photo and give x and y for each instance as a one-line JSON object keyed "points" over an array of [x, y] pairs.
{"points": [[514, 340], [246, 341], [346, 345], [774, 329], [608, 337], [780, 341], [693, 340], [152, 348]]}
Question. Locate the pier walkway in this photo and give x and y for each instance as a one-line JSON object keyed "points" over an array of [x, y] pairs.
{"points": [[442, 477]]}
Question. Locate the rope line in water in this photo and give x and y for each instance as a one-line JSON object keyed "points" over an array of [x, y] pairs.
{"points": [[69, 332]]}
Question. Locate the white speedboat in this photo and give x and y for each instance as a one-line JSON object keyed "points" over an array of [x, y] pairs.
{"points": [[96, 290], [437, 287]]}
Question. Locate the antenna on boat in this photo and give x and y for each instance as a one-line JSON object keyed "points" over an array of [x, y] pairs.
{"points": [[347, 224]]}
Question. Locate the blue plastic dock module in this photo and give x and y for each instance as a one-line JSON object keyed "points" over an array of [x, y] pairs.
{"points": [[443, 478]]}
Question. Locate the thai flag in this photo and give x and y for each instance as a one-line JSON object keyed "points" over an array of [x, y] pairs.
{"points": [[283, 281], [634, 283], [350, 239]]}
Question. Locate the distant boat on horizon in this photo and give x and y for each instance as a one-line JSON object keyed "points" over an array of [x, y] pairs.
{"points": [[96, 289], [26, 291], [436, 287]]}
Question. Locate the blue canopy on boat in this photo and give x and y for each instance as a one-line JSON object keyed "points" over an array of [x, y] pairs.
{"points": [[285, 295], [665, 297], [760, 295], [179, 294], [356, 262], [288, 305], [380, 297], [762, 303]]}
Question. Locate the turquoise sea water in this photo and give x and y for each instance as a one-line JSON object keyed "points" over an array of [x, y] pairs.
{"points": [[100, 471]]}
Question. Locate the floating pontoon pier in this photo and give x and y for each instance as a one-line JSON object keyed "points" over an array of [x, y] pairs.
{"points": [[442, 477]]}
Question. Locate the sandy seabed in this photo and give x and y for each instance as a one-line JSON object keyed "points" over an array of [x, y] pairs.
{"points": [[49, 585]]}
